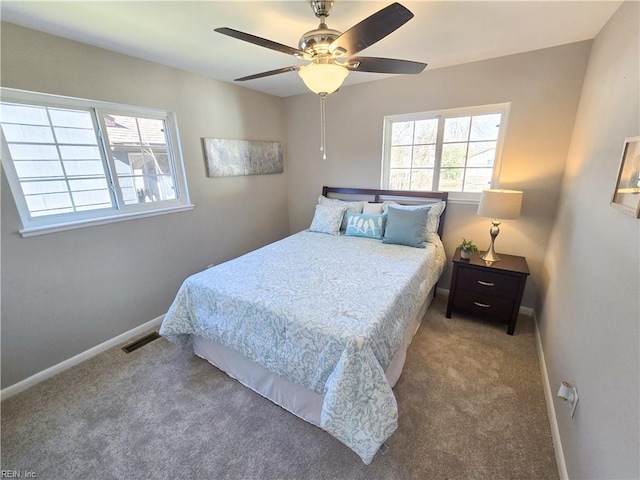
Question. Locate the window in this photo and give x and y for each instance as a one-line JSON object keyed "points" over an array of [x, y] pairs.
{"points": [[456, 150], [73, 162]]}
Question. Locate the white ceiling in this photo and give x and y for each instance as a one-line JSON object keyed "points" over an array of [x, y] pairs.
{"points": [[180, 33]]}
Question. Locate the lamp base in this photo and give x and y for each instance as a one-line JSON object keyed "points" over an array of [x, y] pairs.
{"points": [[490, 256]]}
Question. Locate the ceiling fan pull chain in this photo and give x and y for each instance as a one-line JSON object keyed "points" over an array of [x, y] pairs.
{"points": [[323, 137]]}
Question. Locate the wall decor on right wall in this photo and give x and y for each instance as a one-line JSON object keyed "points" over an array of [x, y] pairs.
{"points": [[626, 195]]}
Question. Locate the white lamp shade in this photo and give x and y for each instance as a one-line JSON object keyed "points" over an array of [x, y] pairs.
{"points": [[500, 204], [323, 78]]}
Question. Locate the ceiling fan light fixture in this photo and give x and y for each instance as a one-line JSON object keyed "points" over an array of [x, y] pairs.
{"points": [[323, 78]]}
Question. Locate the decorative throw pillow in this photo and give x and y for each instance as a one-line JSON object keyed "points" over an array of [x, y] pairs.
{"points": [[433, 220], [362, 225], [355, 207], [372, 208], [327, 219], [406, 227]]}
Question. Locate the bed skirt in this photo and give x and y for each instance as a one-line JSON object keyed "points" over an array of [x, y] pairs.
{"points": [[281, 391]]}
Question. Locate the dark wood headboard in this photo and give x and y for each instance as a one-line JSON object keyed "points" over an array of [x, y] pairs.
{"points": [[404, 197]]}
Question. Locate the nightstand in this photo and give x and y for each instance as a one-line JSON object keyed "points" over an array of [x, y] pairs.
{"points": [[490, 291]]}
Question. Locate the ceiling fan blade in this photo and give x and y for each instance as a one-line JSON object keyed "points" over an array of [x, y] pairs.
{"points": [[372, 29], [386, 65], [269, 73], [263, 42]]}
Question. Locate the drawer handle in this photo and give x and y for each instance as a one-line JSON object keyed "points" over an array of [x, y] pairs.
{"points": [[483, 305], [486, 284]]}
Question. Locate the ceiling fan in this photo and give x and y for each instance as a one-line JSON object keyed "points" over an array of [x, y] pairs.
{"points": [[333, 54]]}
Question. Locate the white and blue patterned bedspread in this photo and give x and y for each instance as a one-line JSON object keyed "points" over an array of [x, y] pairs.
{"points": [[327, 312]]}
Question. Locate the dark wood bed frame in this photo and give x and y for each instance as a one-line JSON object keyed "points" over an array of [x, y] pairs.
{"points": [[401, 196]]}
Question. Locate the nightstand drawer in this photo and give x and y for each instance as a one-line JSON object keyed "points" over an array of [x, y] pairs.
{"points": [[485, 282], [484, 305]]}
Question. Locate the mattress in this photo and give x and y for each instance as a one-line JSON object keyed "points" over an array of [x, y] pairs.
{"points": [[328, 313]]}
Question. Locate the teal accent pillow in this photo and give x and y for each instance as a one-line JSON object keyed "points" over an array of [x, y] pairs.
{"points": [[365, 225], [406, 227], [433, 221]]}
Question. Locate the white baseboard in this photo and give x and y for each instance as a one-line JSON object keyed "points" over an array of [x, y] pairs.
{"points": [[551, 412], [81, 357], [442, 291]]}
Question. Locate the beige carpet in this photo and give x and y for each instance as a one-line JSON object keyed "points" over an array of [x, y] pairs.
{"points": [[470, 398]]}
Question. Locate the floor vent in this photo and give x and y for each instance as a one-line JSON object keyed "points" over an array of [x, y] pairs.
{"points": [[141, 342]]}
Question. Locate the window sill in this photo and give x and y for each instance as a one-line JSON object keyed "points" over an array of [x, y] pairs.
{"points": [[456, 200], [61, 227]]}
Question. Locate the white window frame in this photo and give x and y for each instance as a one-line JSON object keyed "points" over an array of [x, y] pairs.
{"points": [[119, 211], [454, 197]]}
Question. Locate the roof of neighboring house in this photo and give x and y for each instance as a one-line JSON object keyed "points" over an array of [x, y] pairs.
{"points": [[132, 131]]}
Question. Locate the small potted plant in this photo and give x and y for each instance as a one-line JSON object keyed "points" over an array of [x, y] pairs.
{"points": [[467, 248]]}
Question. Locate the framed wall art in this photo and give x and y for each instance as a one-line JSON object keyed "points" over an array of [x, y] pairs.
{"points": [[230, 158], [626, 195]]}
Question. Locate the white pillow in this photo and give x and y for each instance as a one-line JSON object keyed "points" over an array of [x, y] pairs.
{"points": [[433, 219], [434, 216], [327, 219], [355, 207], [372, 208]]}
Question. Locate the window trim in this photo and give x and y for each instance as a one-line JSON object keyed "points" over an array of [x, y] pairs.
{"points": [[454, 197], [61, 222]]}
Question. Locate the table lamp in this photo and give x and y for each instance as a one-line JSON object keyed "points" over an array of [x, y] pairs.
{"points": [[500, 205]]}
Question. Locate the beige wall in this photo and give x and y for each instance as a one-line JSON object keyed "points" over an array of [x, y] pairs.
{"points": [[543, 87], [590, 314], [66, 292]]}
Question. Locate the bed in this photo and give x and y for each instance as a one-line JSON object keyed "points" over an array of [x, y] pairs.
{"points": [[319, 323]]}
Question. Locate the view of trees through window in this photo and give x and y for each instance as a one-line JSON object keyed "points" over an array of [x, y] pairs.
{"points": [[455, 154]]}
